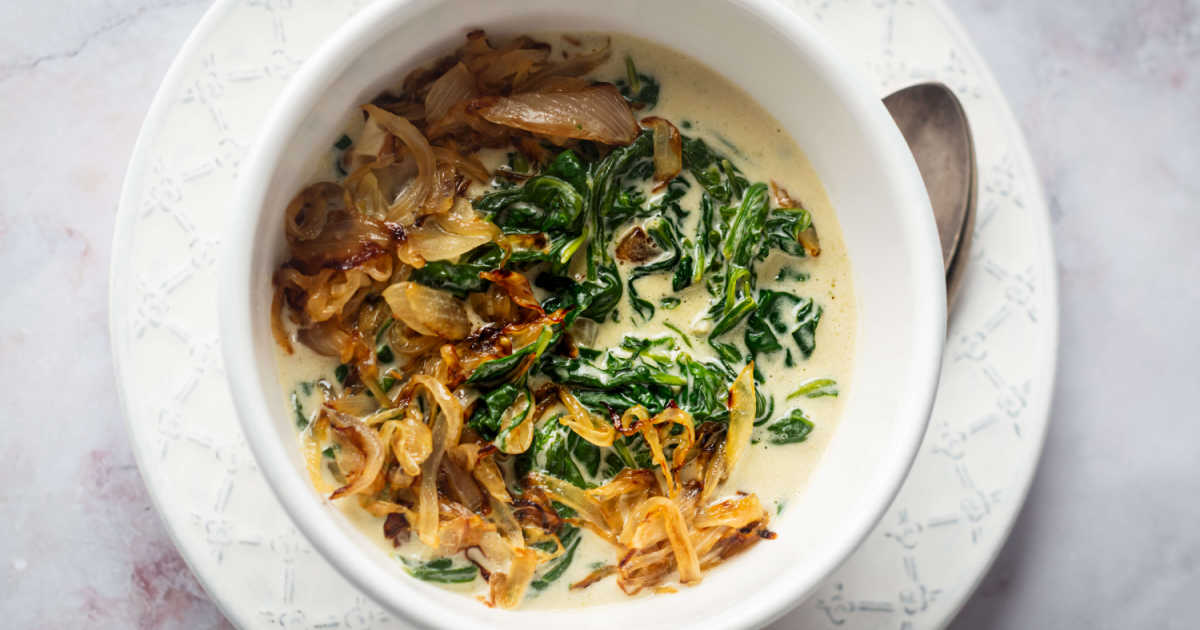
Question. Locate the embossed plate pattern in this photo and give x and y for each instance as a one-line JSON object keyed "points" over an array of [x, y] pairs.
{"points": [[916, 568]]}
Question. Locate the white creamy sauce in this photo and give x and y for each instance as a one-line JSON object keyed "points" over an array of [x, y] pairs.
{"points": [[725, 117]]}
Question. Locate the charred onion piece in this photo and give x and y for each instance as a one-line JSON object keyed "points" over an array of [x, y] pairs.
{"points": [[637, 246], [516, 286]]}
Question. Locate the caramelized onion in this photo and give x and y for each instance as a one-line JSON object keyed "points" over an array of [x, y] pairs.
{"points": [[469, 166], [347, 239], [428, 311], [489, 476], [516, 286], [376, 185], [741, 417], [461, 486], [516, 425], [367, 442], [328, 339], [447, 236], [307, 213], [460, 119], [573, 497], [452, 411], [507, 589], [427, 496], [668, 148], [631, 481], [361, 405], [277, 330], [582, 421], [512, 67], [412, 443], [407, 206], [369, 148], [557, 84], [328, 292], [736, 512], [456, 85], [598, 113], [677, 533], [569, 68]]}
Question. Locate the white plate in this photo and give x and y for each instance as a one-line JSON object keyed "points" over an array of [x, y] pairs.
{"points": [[914, 571]]}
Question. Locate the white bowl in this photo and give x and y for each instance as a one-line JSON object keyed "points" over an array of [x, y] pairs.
{"points": [[874, 185]]}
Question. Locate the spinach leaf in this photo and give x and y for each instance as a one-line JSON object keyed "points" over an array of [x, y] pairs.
{"points": [[758, 337], [727, 352], [783, 229], [298, 410], [612, 374], [487, 416], [764, 405], [746, 229], [705, 392], [542, 204], [805, 333], [734, 314], [682, 335], [657, 349], [550, 452], [556, 567], [586, 454], [514, 416], [792, 429], [719, 177], [442, 570], [596, 296], [787, 273], [782, 313], [638, 88], [654, 397], [816, 388], [607, 182], [462, 277], [666, 237], [505, 368], [567, 166]]}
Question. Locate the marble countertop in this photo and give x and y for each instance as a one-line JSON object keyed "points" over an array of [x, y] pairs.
{"points": [[1107, 93]]}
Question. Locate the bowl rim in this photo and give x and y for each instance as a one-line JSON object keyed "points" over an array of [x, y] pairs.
{"points": [[343, 47]]}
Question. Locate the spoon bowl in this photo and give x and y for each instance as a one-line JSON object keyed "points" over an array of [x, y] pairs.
{"points": [[934, 125]]}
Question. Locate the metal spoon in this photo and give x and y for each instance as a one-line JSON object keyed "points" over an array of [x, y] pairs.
{"points": [[935, 127]]}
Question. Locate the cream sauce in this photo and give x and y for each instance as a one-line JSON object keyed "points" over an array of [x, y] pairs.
{"points": [[731, 122]]}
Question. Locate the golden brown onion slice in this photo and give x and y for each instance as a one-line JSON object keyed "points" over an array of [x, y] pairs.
{"points": [[741, 417], [428, 311]]}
